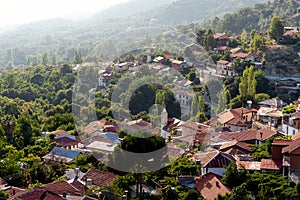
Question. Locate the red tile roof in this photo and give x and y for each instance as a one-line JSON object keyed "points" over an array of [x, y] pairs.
{"points": [[65, 141], [249, 165], [291, 33], [222, 62], [210, 186], [79, 186], [293, 148], [60, 132], [2, 181], [222, 48], [269, 164], [221, 36], [296, 136], [191, 125], [234, 117], [248, 135], [214, 159], [61, 187], [98, 177], [37, 193], [14, 190], [239, 55], [242, 145]]}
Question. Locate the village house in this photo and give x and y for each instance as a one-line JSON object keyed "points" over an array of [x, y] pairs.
{"points": [[250, 136], [178, 64], [236, 119], [235, 148], [210, 186], [292, 33], [225, 69], [291, 160], [63, 155], [67, 141], [213, 161], [98, 178], [105, 78], [222, 49], [222, 39]]}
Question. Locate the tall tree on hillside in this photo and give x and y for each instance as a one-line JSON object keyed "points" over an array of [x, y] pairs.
{"points": [[247, 86], [200, 36], [78, 58], [244, 39], [45, 59], [276, 28]]}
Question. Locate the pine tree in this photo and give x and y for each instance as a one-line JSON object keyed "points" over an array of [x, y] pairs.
{"points": [[247, 86]]}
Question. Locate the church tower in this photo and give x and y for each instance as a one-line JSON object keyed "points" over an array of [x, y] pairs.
{"points": [[163, 123]]}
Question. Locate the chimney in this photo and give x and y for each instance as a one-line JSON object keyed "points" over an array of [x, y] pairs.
{"points": [[76, 170], [89, 182]]}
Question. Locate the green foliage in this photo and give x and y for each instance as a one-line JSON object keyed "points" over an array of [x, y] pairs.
{"points": [[258, 17], [247, 86], [276, 28], [263, 150], [234, 177], [289, 109]]}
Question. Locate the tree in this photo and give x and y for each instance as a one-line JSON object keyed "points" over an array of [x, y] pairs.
{"points": [[23, 133], [233, 176], [276, 29], [45, 60], [244, 39], [144, 143], [78, 59], [223, 97], [200, 36], [247, 86]]}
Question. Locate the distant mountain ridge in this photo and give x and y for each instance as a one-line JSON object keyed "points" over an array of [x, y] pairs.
{"points": [[59, 38]]}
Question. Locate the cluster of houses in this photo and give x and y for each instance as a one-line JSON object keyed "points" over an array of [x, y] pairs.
{"points": [[221, 140], [73, 188]]}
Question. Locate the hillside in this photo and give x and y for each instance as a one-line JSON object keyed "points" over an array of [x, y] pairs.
{"points": [[258, 17], [58, 39], [186, 11], [282, 61]]}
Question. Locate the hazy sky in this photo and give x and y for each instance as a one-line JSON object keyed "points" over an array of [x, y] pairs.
{"points": [[22, 11]]}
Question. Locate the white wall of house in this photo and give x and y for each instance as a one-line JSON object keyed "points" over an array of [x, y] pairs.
{"points": [[289, 130], [235, 128], [218, 171]]}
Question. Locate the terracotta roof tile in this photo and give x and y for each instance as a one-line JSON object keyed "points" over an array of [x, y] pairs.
{"points": [[37, 193], [98, 177], [269, 164], [213, 159], [251, 135], [249, 165], [2, 181], [14, 190], [239, 55], [60, 132], [296, 136], [210, 186], [242, 145], [79, 186], [61, 187], [293, 148], [65, 141]]}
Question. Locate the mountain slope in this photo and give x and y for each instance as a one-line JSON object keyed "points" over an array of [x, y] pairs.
{"points": [[258, 17], [59, 39]]}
